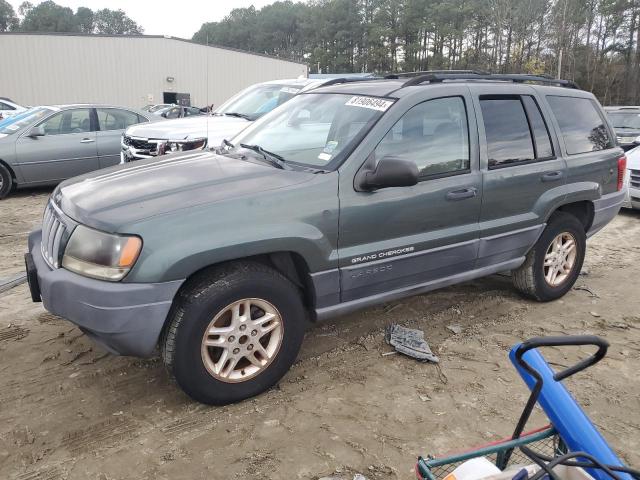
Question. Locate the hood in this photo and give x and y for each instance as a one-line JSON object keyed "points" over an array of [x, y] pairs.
{"points": [[114, 197], [215, 128]]}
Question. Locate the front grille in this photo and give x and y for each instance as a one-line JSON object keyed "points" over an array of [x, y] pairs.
{"points": [[53, 233], [139, 143], [635, 178]]}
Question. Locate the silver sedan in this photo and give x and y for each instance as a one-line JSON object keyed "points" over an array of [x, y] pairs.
{"points": [[45, 145]]}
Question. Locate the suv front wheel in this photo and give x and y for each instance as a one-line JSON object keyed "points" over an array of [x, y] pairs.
{"points": [[234, 332], [552, 266]]}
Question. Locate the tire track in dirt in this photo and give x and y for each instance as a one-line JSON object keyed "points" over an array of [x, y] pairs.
{"points": [[13, 333], [102, 435]]}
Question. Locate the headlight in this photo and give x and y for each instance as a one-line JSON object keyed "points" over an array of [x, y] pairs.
{"points": [[637, 140], [101, 255], [182, 145]]}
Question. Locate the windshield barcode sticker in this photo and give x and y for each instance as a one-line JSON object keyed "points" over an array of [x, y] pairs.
{"points": [[290, 90], [370, 102]]}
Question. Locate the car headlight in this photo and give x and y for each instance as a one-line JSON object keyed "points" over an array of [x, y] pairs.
{"points": [[101, 255], [182, 145], [637, 140]]}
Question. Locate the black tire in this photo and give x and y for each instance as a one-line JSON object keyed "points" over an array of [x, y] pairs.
{"points": [[6, 181], [530, 278], [201, 300]]}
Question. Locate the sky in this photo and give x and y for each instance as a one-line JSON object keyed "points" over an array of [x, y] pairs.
{"points": [[177, 18]]}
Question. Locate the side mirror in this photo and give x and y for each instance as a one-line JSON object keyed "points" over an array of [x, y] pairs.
{"points": [[391, 172], [36, 132]]}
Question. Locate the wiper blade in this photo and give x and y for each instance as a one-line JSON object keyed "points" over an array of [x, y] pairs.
{"points": [[239, 115], [273, 158]]}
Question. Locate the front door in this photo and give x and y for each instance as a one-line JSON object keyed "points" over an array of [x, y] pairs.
{"points": [[67, 149], [397, 238], [521, 168]]}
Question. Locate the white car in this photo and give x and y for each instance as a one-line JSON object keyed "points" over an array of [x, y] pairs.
{"points": [[632, 179], [8, 108], [202, 131]]}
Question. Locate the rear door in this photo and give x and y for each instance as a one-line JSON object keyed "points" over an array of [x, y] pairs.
{"points": [[393, 239], [112, 123], [67, 149], [522, 170]]}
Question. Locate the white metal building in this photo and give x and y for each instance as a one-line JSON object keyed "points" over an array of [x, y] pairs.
{"points": [[42, 69]]}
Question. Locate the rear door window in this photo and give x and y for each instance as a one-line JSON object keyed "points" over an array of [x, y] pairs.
{"points": [[116, 119], [541, 137], [507, 130], [582, 126]]}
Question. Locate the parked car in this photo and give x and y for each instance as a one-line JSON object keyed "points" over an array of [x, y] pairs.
{"points": [[345, 197], [9, 108], [148, 141], [177, 111], [152, 108], [632, 179], [626, 123], [45, 145]]}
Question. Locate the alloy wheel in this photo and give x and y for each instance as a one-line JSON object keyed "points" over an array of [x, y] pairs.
{"points": [[560, 259], [242, 340]]}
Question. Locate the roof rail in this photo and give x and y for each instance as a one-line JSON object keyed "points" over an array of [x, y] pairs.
{"points": [[441, 76], [335, 81], [395, 76]]}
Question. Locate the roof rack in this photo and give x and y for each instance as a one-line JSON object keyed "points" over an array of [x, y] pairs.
{"points": [[435, 72], [335, 81], [439, 76]]}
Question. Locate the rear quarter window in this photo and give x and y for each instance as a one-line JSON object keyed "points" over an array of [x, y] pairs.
{"points": [[582, 127]]}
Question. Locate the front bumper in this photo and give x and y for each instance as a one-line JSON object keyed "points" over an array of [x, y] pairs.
{"points": [[126, 318], [605, 209]]}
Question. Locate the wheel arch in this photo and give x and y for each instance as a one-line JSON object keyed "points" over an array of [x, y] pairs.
{"points": [[290, 264], [14, 177], [583, 210]]}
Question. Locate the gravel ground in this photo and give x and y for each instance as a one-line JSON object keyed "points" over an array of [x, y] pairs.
{"points": [[69, 410]]}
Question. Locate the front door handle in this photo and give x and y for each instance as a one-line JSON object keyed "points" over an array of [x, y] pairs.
{"points": [[462, 193], [87, 140], [552, 176]]}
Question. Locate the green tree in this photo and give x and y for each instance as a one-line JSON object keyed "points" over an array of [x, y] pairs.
{"points": [[85, 20], [47, 17], [115, 22], [8, 18]]}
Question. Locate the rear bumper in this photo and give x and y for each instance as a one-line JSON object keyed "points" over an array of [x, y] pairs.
{"points": [[605, 209], [126, 318]]}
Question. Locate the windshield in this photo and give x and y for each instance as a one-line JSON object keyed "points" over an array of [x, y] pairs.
{"points": [[314, 130], [257, 100], [18, 122], [625, 120]]}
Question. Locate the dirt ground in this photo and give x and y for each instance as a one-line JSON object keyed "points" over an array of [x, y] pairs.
{"points": [[68, 410]]}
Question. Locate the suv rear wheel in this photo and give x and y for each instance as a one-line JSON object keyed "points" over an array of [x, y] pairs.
{"points": [[234, 333], [552, 266]]}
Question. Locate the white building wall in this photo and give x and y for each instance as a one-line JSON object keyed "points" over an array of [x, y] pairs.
{"points": [[130, 71]]}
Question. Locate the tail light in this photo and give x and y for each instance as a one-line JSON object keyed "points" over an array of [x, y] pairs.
{"points": [[622, 169]]}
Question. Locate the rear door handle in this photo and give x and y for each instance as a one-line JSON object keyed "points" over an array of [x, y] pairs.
{"points": [[552, 176], [87, 140], [462, 193]]}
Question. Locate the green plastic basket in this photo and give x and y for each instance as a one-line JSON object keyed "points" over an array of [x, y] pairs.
{"points": [[502, 453]]}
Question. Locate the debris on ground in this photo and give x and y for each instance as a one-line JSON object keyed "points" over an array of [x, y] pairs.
{"points": [[455, 329], [410, 342]]}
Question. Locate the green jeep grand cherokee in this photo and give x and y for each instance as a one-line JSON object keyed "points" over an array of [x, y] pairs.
{"points": [[344, 197]]}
